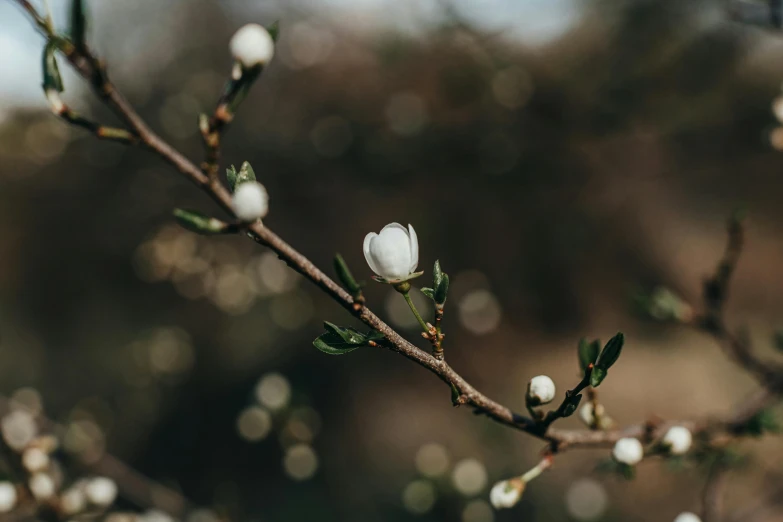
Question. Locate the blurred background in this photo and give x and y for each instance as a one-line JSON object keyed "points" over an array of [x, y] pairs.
{"points": [[557, 156]]}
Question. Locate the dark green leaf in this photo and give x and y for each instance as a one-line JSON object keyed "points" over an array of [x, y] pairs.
{"points": [[588, 353], [437, 275], [628, 472], [78, 23], [345, 275], [274, 30], [231, 176], [51, 72], [597, 376], [338, 340], [429, 292], [200, 223], [441, 292], [572, 405], [333, 344], [611, 352]]}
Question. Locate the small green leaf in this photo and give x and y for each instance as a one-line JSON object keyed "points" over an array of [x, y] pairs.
{"points": [[200, 223], [429, 292], [338, 340], [51, 72], [628, 472], [231, 176], [572, 405], [246, 173], [78, 23], [611, 352], [588, 353], [274, 30], [597, 376], [345, 275], [437, 274], [763, 422], [442, 290]]}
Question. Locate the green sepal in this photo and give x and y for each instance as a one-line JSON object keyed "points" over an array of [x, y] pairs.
{"points": [[429, 292], [231, 177]]}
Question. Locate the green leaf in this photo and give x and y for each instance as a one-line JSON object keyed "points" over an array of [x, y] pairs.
{"points": [[597, 376], [611, 352], [246, 173], [345, 275], [51, 72], [274, 30], [588, 353], [763, 422], [437, 274], [338, 340], [78, 23], [429, 292], [200, 223], [572, 405], [442, 290], [231, 176], [628, 472]]}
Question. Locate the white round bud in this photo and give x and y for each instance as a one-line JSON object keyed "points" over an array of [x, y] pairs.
{"points": [[628, 451], [587, 415], [252, 45], [540, 390], [73, 501], [35, 459], [42, 486], [250, 201], [687, 517], [101, 491], [18, 428], [506, 494], [678, 439], [7, 496]]}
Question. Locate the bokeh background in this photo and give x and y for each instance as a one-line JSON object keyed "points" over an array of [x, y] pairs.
{"points": [[557, 156]]}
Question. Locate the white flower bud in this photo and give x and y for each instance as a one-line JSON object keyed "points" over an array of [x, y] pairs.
{"points": [[506, 493], [586, 413], [687, 517], [394, 253], [252, 45], [18, 428], [35, 459], [7, 496], [540, 390], [42, 486], [628, 451], [73, 501], [250, 201], [678, 439], [101, 491]]}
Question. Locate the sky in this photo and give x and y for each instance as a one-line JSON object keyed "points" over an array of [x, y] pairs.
{"points": [[533, 22]]}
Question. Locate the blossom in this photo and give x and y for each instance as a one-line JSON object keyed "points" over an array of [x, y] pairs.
{"points": [[628, 451], [393, 254], [250, 201], [687, 517], [540, 390], [42, 486], [678, 440], [101, 491], [35, 459], [506, 493], [252, 45], [7, 496]]}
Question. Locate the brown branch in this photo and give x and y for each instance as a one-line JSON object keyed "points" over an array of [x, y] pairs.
{"points": [[714, 490], [94, 71]]}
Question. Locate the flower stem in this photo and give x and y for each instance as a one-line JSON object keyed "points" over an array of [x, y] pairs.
{"points": [[407, 297]]}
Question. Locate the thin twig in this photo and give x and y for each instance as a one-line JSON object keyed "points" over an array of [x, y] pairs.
{"points": [[714, 490]]}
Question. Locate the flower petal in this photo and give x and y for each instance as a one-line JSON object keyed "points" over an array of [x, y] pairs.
{"points": [[391, 252], [414, 240], [367, 255]]}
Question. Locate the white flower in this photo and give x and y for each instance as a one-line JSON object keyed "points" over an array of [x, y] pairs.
{"points": [[73, 501], [7, 496], [35, 459], [678, 439], [540, 390], [42, 486], [506, 493], [101, 491], [628, 451], [687, 517], [250, 201], [393, 254], [252, 45]]}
